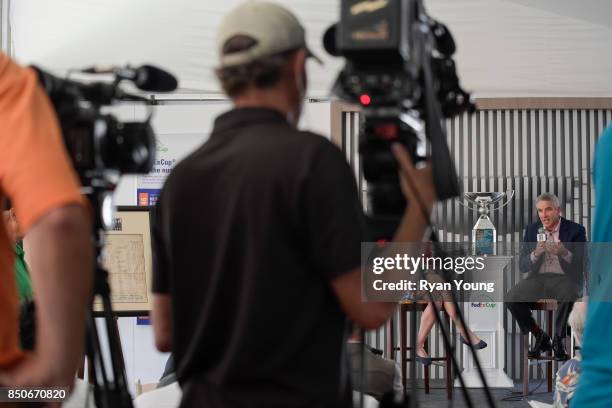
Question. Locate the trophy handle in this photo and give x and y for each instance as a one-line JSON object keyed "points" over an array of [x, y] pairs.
{"points": [[467, 206], [509, 195]]}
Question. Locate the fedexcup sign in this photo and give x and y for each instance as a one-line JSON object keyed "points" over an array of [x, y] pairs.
{"points": [[485, 303], [490, 305]]}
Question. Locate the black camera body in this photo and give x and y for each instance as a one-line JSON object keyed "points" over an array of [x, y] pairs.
{"points": [[399, 69], [99, 143]]}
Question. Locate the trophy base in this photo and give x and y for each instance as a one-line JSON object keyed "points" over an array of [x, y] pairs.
{"points": [[484, 241]]}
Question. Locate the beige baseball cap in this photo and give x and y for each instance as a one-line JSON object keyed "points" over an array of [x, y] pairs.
{"points": [[274, 29]]}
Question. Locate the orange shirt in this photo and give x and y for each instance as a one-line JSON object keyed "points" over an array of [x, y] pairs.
{"points": [[35, 173]]}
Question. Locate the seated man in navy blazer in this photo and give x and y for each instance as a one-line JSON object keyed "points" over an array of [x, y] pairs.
{"points": [[550, 253]]}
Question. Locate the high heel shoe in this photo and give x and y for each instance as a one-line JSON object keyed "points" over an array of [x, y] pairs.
{"points": [[478, 346], [426, 361]]}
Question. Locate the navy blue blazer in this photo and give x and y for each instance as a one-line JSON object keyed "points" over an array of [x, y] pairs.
{"points": [[569, 231]]}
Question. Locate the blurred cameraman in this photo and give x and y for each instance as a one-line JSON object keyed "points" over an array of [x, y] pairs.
{"points": [[257, 237], [36, 175]]}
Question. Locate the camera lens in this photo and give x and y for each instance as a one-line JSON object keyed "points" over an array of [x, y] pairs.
{"points": [[128, 147]]}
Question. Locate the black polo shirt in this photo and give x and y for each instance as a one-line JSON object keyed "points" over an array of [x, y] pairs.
{"points": [[250, 230]]}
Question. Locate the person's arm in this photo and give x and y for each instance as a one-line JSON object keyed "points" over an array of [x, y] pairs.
{"points": [[575, 255], [162, 322], [61, 268], [347, 287], [572, 254], [37, 176], [161, 313]]}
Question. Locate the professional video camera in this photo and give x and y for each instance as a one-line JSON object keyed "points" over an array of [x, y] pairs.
{"points": [[102, 148], [99, 142], [399, 68]]}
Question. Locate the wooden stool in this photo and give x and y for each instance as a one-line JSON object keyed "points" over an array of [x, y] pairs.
{"points": [[548, 305], [414, 307]]}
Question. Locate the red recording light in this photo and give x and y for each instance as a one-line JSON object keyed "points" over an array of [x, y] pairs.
{"points": [[365, 99]]}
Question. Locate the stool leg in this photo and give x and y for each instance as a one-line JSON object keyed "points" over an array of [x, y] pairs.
{"points": [[552, 353], [426, 369], [525, 364], [403, 326], [391, 338], [449, 364]]}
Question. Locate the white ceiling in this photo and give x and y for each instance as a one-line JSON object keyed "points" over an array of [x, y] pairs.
{"points": [[506, 47], [593, 11], [509, 49]]}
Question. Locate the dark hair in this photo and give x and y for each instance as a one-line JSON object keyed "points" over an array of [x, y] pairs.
{"points": [[264, 72]]}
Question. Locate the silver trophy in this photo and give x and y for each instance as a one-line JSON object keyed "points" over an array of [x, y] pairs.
{"points": [[484, 234]]}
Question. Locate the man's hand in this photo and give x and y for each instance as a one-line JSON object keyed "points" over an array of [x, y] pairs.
{"points": [[416, 184], [540, 249], [556, 248]]}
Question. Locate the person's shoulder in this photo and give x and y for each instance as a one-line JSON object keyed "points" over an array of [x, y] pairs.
{"points": [[183, 168], [572, 224], [13, 75], [311, 138], [321, 145], [605, 140], [603, 149], [309, 150], [5, 62], [533, 226], [8, 68]]}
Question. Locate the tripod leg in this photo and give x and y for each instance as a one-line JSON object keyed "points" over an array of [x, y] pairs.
{"points": [[96, 363], [413, 371], [121, 393], [403, 343]]}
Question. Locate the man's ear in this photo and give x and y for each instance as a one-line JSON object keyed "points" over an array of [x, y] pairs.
{"points": [[298, 64]]}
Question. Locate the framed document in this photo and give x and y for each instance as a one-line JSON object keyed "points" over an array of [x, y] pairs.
{"points": [[127, 257]]}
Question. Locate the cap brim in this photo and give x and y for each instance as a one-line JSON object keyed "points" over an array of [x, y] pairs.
{"points": [[310, 54]]}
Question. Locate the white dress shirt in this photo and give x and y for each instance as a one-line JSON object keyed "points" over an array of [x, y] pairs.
{"points": [[551, 262]]}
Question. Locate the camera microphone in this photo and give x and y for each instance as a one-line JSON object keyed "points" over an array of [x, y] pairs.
{"points": [[541, 235], [146, 77]]}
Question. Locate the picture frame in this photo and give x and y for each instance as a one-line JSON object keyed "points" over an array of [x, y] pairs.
{"points": [[128, 258]]}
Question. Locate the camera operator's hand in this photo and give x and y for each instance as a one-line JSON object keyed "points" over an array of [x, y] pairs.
{"points": [[417, 185], [412, 179]]}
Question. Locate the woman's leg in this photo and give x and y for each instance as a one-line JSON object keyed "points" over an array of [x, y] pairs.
{"points": [[428, 319], [451, 310]]}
